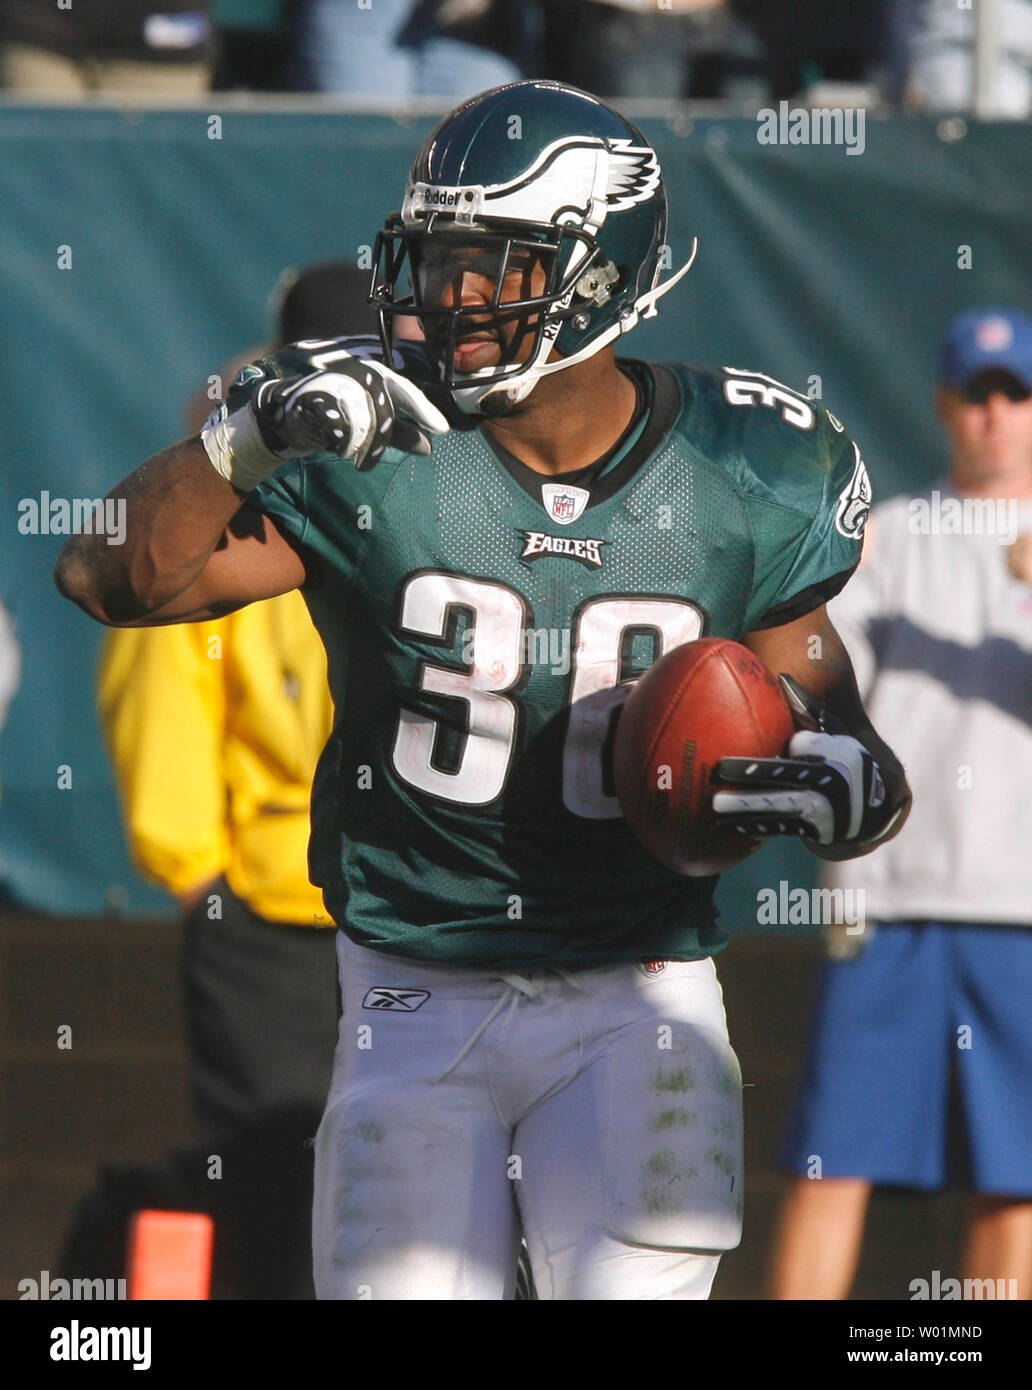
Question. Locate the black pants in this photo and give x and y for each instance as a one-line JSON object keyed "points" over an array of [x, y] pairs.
{"points": [[262, 1010]]}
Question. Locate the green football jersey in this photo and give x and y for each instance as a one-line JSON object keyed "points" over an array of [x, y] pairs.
{"points": [[482, 623]]}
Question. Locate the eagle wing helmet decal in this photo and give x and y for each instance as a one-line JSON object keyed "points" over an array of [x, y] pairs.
{"points": [[571, 171], [633, 175]]}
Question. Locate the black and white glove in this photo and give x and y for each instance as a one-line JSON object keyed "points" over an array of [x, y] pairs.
{"points": [[351, 411], [829, 789]]}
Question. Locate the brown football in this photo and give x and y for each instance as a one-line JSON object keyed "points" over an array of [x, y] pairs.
{"points": [[703, 701]]}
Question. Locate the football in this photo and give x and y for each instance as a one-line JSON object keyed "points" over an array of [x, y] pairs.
{"points": [[703, 701]]}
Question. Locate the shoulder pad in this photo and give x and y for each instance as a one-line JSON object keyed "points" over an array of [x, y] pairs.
{"points": [[774, 441]]}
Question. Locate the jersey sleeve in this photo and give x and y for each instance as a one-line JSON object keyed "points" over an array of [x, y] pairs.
{"points": [[809, 530], [282, 498]]}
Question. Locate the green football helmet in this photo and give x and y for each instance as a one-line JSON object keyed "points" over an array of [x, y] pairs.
{"points": [[533, 171]]}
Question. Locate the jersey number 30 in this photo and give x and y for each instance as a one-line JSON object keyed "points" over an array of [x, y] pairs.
{"points": [[501, 649]]}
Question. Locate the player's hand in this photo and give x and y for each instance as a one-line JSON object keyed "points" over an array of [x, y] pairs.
{"points": [[351, 411], [829, 789]]}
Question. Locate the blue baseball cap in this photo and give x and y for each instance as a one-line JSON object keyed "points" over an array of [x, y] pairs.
{"points": [[984, 339]]}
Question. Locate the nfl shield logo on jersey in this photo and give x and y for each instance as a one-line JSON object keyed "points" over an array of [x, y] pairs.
{"points": [[651, 968], [564, 504]]}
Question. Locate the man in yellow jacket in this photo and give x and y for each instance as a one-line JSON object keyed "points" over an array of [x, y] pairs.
{"points": [[215, 730]]}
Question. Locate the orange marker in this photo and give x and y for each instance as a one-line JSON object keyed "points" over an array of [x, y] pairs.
{"points": [[170, 1255]]}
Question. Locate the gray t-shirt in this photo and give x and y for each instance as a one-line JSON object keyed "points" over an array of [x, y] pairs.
{"points": [[940, 633]]}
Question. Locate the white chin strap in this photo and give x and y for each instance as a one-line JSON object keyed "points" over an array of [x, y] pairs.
{"points": [[470, 398]]}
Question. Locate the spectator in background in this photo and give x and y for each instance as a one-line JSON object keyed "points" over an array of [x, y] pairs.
{"points": [[255, 45], [632, 48], [398, 49], [938, 623], [215, 729], [131, 47], [821, 52], [939, 42]]}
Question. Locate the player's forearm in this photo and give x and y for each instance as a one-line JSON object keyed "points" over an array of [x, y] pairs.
{"points": [[898, 796], [834, 684], [176, 509], [836, 687], [811, 652]]}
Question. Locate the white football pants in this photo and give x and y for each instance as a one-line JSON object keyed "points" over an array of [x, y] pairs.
{"points": [[601, 1110]]}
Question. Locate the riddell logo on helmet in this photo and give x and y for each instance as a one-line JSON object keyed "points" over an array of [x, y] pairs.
{"points": [[439, 197]]}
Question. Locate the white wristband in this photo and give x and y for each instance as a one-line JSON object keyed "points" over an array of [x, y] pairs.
{"points": [[236, 449]]}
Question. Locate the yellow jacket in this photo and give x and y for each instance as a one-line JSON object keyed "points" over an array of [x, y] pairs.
{"points": [[215, 729]]}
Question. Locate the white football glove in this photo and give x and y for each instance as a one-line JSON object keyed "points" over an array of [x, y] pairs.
{"points": [[351, 411], [828, 789]]}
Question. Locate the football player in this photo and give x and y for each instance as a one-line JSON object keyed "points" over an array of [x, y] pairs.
{"points": [[531, 1014]]}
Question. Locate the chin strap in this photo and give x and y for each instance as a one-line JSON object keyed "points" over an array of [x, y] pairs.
{"points": [[471, 399]]}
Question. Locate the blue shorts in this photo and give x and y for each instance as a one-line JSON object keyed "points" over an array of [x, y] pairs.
{"points": [[920, 999]]}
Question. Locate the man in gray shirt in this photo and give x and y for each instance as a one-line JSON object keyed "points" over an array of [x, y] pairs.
{"points": [[938, 623]]}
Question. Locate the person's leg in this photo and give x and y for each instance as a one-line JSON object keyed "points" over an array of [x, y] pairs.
{"points": [[999, 1245], [262, 1002], [216, 1059], [872, 1103], [992, 1033], [818, 1244], [413, 1198], [631, 1174], [262, 1021]]}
